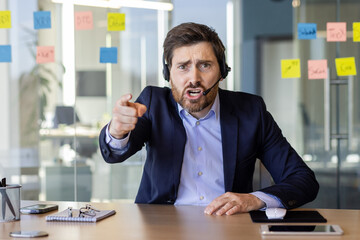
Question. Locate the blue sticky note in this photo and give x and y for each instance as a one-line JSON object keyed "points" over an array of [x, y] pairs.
{"points": [[5, 53], [108, 55], [42, 20], [307, 30]]}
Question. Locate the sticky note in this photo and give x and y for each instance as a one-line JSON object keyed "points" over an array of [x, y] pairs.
{"points": [[290, 68], [45, 54], [5, 19], [307, 30], [42, 20], [84, 20], [317, 69], [5, 53], [345, 66], [108, 55], [356, 31], [336, 31], [116, 21]]}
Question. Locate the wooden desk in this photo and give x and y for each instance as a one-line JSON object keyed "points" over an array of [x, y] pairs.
{"points": [[159, 222]]}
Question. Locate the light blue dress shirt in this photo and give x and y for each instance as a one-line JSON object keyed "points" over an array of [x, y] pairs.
{"points": [[202, 174]]}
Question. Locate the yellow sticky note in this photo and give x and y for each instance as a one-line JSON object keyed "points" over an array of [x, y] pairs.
{"points": [[5, 19], [290, 68], [116, 21], [345, 66], [356, 31]]}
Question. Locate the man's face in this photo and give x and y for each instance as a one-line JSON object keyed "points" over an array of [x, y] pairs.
{"points": [[194, 69]]}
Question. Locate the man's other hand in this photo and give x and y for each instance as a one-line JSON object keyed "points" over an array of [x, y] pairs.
{"points": [[230, 203]]}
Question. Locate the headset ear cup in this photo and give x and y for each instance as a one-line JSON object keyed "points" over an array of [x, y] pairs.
{"points": [[166, 73], [224, 69]]}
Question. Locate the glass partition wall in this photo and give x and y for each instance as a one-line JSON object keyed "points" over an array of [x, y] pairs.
{"points": [[330, 108], [56, 107], [319, 117], [90, 89]]}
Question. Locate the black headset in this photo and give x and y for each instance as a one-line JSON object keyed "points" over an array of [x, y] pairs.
{"points": [[224, 69]]}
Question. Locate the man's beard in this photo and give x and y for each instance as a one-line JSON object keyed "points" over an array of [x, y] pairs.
{"points": [[193, 105]]}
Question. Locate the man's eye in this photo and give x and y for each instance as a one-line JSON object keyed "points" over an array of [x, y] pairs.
{"points": [[205, 65], [181, 67]]}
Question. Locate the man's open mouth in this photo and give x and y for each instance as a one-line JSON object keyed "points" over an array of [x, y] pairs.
{"points": [[194, 93]]}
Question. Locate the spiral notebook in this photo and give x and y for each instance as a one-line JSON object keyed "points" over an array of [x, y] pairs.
{"points": [[63, 216]]}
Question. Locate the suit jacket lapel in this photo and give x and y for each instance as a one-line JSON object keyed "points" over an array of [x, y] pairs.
{"points": [[229, 136]]}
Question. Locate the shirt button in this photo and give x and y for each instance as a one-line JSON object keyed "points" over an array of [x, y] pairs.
{"points": [[197, 123], [200, 173], [199, 148], [201, 197]]}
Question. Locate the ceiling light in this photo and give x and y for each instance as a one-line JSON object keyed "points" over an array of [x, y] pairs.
{"points": [[121, 3]]}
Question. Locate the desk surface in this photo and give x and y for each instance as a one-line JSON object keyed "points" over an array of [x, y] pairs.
{"points": [[133, 221]]}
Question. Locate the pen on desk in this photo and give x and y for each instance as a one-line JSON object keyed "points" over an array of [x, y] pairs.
{"points": [[5, 200], [70, 214]]}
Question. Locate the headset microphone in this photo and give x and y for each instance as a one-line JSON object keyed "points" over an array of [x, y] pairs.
{"points": [[209, 89]]}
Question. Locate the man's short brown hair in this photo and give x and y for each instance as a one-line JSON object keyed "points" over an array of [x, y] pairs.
{"points": [[192, 33]]}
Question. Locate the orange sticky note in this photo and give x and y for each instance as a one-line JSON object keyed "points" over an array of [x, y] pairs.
{"points": [[336, 31], [317, 69], [356, 31], [5, 19], [345, 66], [290, 68], [84, 20], [45, 54], [116, 21]]}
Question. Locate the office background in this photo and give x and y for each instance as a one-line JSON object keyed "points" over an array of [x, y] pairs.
{"points": [[52, 113]]}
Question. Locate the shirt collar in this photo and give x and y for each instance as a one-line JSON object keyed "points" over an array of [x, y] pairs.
{"points": [[215, 109]]}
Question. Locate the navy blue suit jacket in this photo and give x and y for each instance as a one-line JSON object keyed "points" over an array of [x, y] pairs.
{"points": [[248, 132]]}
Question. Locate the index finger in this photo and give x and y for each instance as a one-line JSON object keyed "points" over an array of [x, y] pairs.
{"points": [[123, 101]]}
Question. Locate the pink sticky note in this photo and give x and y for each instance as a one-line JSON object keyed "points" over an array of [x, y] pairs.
{"points": [[45, 54], [317, 69], [336, 31], [84, 20]]}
